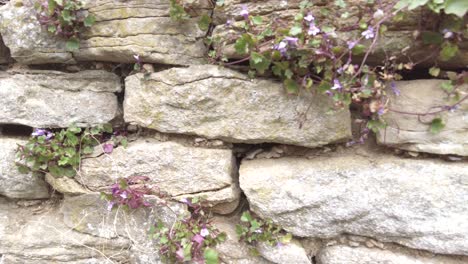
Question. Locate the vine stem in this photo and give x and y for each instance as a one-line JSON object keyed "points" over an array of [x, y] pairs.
{"points": [[430, 113]]}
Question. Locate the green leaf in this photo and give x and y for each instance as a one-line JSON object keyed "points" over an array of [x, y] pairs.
{"points": [[242, 44], [72, 44], [416, 3], [259, 62], [52, 5], [291, 86], [211, 256], [257, 20], [246, 217], [88, 150], [23, 169], [204, 22], [52, 28], [436, 125], [107, 128], [447, 86], [456, 7], [89, 21], [286, 238], [340, 3], [448, 51], [359, 49], [376, 125], [434, 71], [295, 30]]}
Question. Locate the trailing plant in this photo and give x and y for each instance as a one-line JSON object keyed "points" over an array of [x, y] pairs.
{"points": [[59, 151], [254, 230], [310, 54], [178, 12], [190, 238], [64, 18]]}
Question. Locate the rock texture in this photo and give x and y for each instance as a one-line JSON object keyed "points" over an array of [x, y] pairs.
{"points": [[362, 255], [285, 253], [179, 170], [406, 131], [4, 53], [398, 37], [417, 203], [57, 99], [14, 184], [37, 234], [122, 29], [215, 102]]}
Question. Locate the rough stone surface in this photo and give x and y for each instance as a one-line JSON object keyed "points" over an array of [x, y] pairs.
{"points": [[56, 99], [122, 29], [179, 170], [417, 203], [407, 132], [87, 214], [14, 184], [398, 37], [288, 253], [31, 236], [65, 185], [4, 53], [361, 255], [215, 102]]}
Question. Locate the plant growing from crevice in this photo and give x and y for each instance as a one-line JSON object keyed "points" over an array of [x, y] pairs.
{"points": [[59, 151], [254, 230], [64, 18]]}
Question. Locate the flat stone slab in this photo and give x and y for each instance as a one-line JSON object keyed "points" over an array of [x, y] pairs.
{"points": [[216, 102], [14, 184], [406, 131], [417, 203], [57, 99], [180, 171], [122, 29]]}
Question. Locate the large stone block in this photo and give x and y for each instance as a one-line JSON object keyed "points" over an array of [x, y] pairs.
{"points": [[216, 102], [123, 29], [417, 203], [408, 131], [398, 37], [179, 170], [14, 184], [57, 99], [362, 255]]}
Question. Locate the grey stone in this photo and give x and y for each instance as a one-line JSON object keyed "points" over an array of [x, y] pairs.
{"points": [[417, 203], [215, 102], [398, 37], [65, 185], [181, 171], [362, 255], [291, 252], [14, 184], [406, 131], [122, 29], [30, 236], [56, 99]]}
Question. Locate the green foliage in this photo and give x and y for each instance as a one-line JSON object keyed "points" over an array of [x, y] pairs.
{"points": [[254, 230], [437, 124], [60, 152], [456, 7], [177, 11], [64, 18], [190, 238]]}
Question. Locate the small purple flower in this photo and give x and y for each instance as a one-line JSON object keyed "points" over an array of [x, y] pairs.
{"points": [[447, 34], [137, 58], [124, 195], [108, 148], [381, 111], [204, 232], [244, 12], [452, 109], [229, 22], [110, 205], [258, 231], [313, 30], [292, 41], [279, 244], [309, 18], [39, 132], [329, 93], [395, 90], [337, 85], [369, 33], [49, 136], [352, 44], [198, 238]]}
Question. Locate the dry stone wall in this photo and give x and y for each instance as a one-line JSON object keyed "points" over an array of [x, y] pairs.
{"points": [[200, 130]]}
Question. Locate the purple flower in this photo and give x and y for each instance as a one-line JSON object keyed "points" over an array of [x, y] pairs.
{"points": [[39, 132], [110, 205], [395, 90], [447, 34], [198, 238], [229, 22], [124, 195], [369, 33], [244, 12], [329, 93], [381, 111], [137, 58], [309, 18], [313, 30], [292, 41], [352, 44], [108, 148], [204, 232], [337, 85]]}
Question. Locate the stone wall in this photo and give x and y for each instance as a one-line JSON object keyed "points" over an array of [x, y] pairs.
{"points": [[200, 130]]}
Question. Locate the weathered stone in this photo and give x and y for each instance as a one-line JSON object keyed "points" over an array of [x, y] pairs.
{"points": [[361, 255], [417, 203], [29, 236], [391, 43], [122, 29], [216, 102], [65, 185], [4, 52], [288, 253], [179, 170], [406, 131], [232, 251], [14, 184], [57, 99]]}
